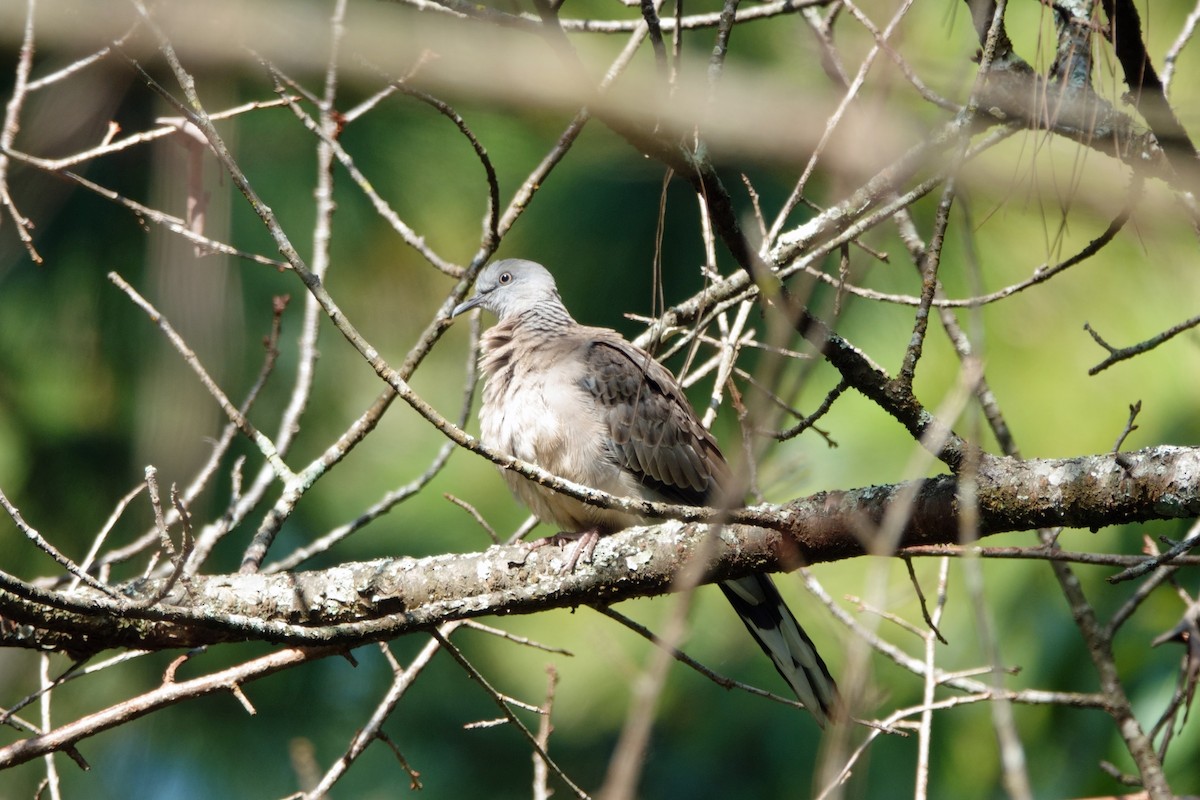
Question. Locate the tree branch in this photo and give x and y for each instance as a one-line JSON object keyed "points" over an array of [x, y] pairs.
{"points": [[355, 603]]}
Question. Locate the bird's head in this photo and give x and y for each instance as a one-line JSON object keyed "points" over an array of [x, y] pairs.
{"points": [[511, 287]]}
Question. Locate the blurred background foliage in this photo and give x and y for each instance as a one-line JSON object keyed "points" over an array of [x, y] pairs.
{"points": [[90, 394]]}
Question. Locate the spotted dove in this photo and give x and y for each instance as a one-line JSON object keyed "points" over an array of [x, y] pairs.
{"points": [[585, 404]]}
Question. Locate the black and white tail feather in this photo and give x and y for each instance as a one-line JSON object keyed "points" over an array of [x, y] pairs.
{"points": [[771, 623]]}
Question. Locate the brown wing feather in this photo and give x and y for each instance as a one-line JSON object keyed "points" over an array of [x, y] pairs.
{"points": [[653, 431]]}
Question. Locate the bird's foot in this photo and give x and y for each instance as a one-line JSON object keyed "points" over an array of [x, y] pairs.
{"points": [[579, 546]]}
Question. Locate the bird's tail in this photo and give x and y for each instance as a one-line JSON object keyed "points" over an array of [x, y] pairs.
{"points": [[770, 622]]}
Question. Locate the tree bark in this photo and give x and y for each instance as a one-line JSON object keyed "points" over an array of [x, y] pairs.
{"points": [[355, 603]]}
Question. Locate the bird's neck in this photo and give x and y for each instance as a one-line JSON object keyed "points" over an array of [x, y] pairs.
{"points": [[532, 329], [547, 318]]}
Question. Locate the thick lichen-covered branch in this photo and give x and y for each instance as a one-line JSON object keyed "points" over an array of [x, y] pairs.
{"points": [[355, 603]]}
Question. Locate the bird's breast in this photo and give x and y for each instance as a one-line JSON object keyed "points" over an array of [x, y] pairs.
{"points": [[535, 409], [543, 417]]}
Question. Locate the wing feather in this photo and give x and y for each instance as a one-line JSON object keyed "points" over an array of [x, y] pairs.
{"points": [[653, 431]]}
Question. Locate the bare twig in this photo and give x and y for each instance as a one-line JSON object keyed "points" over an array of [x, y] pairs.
{"points": [[508, 714], [265, 445], [168, 694], [723, 681], [402, 681], [1116, 354], [1170, 556], [1130, 427], [8, 131], [541, 789], [40, 542]]}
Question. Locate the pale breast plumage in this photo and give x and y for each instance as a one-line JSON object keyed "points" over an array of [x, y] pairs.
{"points": [[538, 411]]}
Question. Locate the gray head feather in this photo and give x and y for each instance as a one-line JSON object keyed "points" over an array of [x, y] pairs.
{"points": [[513, 287]]}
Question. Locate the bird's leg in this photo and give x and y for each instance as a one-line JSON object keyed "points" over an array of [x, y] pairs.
{"points": [[583, 544], [579, 544]]}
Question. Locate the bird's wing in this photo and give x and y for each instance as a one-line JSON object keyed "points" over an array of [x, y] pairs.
{"points": [[653, 433]]}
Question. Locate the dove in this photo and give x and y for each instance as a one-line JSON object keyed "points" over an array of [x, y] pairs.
{"points": [[585, 404]]}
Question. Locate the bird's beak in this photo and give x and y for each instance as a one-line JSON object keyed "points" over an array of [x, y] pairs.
{"points": [[466, 305]]}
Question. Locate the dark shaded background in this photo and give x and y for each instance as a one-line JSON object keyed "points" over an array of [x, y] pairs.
{"points": [[90, 394]]}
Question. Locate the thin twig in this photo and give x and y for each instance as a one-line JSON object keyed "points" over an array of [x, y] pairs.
{"points": [[40, 542], [723, 681], [1171, 556], [1120, 354], [512, 637], [402, 681], [148, 702], [8, 131], [541, 788], [508, 714], [265, 445]]}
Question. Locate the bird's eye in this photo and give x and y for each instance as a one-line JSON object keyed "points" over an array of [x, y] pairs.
{"points": [[505, 277]]}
